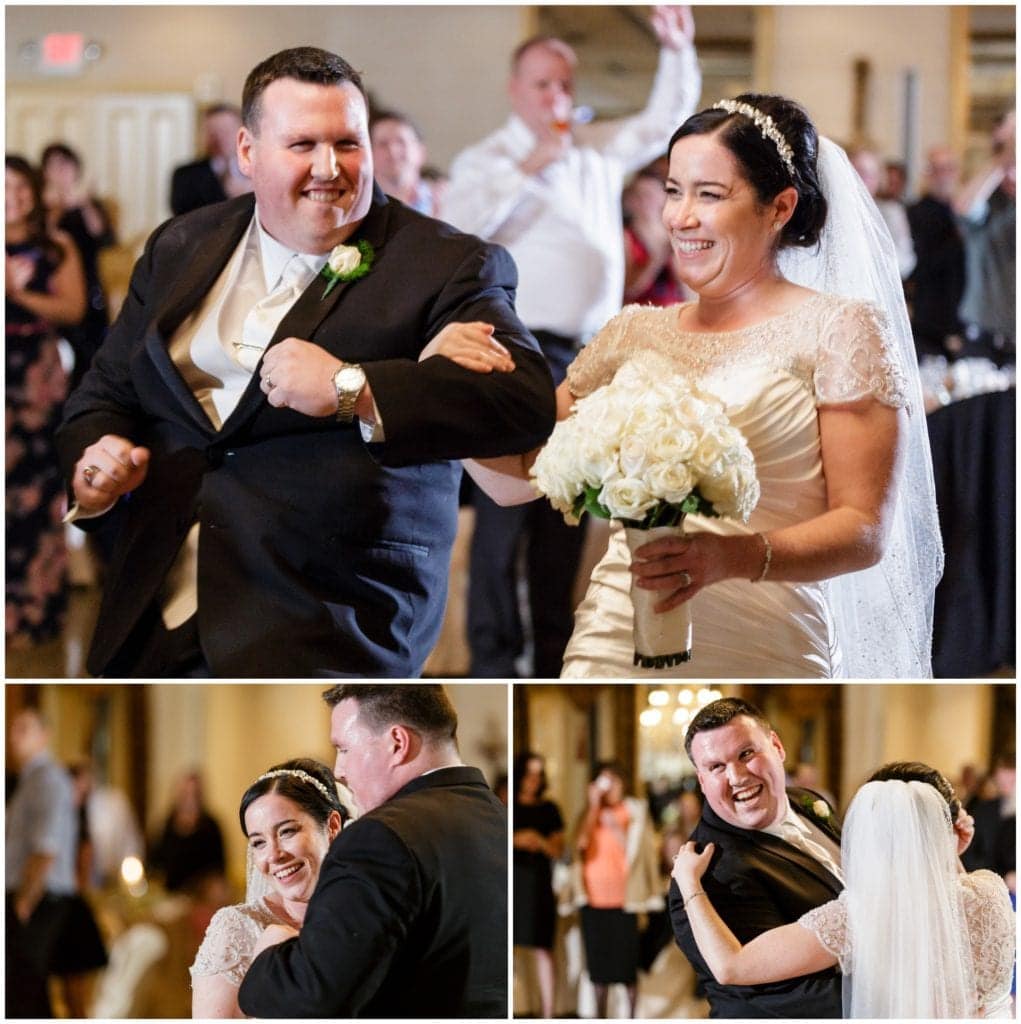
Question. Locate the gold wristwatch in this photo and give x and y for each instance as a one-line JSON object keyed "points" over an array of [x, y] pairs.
{"points": [[349, 381]]}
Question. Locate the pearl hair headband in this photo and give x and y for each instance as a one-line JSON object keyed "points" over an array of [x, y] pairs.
{"points": [[299, 774], [766, 125]]}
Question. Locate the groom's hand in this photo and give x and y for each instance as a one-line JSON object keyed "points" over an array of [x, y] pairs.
{"points": [[298, 375], [108, 468]]}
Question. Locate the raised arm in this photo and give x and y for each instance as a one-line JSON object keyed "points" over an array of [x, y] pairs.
{"points": [[789, 951], [639, 139]]}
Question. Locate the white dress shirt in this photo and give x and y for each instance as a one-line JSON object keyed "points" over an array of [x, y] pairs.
{"points": [[803, 833], [563, 225]]}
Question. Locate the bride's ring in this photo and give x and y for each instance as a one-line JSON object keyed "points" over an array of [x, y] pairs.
{"points": [[89, 472], [269, 384], [684, 578]]}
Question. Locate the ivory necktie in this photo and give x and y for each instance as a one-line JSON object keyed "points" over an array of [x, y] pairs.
{"points": [[265, 316], [793, 835]]}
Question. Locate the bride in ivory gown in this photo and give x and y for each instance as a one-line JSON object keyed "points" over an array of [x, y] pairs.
{"points": [[290, 815], [800, 328]]}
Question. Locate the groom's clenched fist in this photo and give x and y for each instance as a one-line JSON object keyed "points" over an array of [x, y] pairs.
{"points": [[108, 468]]}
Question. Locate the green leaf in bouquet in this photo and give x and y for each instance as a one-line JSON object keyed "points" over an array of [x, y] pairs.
{"points": [[695, 505]]}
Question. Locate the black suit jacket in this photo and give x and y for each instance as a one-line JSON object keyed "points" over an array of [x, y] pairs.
{"points": [[319, 555], [409, 917], [757, 882], [194, 185]]}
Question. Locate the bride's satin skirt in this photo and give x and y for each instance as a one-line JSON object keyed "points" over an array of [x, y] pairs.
{"points": [[740, 629]]}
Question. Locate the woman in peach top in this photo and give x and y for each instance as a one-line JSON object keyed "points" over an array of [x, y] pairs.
{"points": [[618, 880]]}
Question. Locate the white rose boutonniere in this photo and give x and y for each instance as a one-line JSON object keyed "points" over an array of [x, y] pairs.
{"points": [[347, 263], [818, 808]]}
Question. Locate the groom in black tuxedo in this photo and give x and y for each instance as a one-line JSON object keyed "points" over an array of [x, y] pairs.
{"points": [[777, 856], [286, 455], [409, 917]]}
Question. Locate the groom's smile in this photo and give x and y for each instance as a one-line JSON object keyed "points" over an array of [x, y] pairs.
{"points": [[740, 769], [310, 163]]}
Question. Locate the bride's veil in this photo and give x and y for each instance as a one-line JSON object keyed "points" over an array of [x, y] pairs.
{"points": [[883, 614], [910, 948]]}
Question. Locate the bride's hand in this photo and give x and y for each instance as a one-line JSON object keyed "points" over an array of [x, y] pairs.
{"points": [[964, 829], [690, 866], [274, 935], [472, 346], [681, 566]]}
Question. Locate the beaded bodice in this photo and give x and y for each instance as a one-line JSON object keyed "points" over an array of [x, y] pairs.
{"points": [[839, 349], [230, 939]]}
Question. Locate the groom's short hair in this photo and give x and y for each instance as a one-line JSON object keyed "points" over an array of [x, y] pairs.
{"points": [[303, 63], [426, 708], [718, 714]]}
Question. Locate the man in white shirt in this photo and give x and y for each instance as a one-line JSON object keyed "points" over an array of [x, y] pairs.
{"points": [[549, 190], [265, 410]]}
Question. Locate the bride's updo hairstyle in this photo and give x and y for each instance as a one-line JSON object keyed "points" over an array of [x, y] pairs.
{"points": [[317, 798], [761, 163], [915, 771]]}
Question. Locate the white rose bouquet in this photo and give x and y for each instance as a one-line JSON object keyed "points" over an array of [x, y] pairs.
{"points": [[648, 449]]}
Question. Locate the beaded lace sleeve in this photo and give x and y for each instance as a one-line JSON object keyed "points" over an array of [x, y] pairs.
{"points": [[600, 359], [828, 924], [990, 918], [855, 357], [228, 943]]}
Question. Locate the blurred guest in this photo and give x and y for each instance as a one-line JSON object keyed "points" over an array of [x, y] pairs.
{"points": [[806, 776], [538, 842], [190, 847], [968, 786], [111, 825], [870, 169], [549, 190], [938, 279], [995, 843], [500, 788], [438, 181], [619, 879], [986, 205], [398, 155], [649, 276], [72, 208], [895, 181], [45, 291], [216, 176], [39, 858], [80, 950]]}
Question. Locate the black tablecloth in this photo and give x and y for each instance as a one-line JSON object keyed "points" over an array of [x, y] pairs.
{"points": [[973, 454]]}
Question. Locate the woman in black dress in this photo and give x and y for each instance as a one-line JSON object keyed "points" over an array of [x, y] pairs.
{"points": [[45, 289], [538, 842], [71, 208]]}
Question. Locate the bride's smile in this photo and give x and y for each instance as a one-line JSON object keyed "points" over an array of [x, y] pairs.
{"points": [[287, 845]]}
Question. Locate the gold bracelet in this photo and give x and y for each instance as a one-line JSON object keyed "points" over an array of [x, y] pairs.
{"points": [[694, 895], [767, 558]]}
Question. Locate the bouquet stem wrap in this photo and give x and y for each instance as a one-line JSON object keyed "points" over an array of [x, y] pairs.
{"points": [[662, 639]]}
